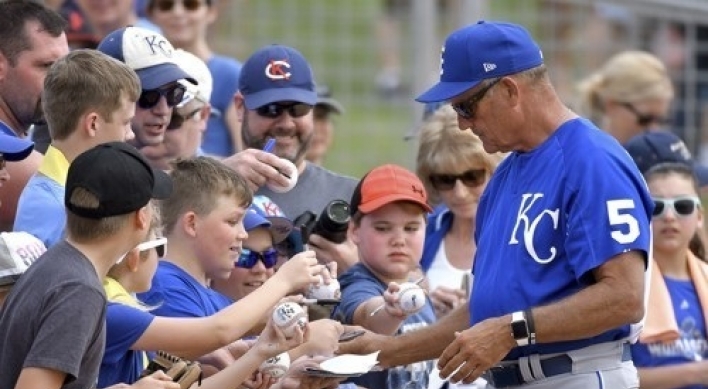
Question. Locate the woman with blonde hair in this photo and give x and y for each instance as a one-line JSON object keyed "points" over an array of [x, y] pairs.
{"points": [[454, 169], [631, 93]]}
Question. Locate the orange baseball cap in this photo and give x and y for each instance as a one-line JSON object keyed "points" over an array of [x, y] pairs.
{"points": [[386, 184]]}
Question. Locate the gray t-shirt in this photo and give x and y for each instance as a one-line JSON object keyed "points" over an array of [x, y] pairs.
{"points": [[54, 318], [315, 188]]}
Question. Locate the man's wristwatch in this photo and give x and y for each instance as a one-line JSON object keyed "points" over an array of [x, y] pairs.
{"points": [[520, 328]]}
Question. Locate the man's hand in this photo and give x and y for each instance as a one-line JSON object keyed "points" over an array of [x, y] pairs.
{"points": [[344, 254], [258, 167], [326, 340], [476, 349], [364, 344]]}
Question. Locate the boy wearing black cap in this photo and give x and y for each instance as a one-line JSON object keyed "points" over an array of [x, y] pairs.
{"points": [[52, 331]]}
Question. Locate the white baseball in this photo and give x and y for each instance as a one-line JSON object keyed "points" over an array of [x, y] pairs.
{"points": [[276, 366], [287, 316], [290, 171], [411, 297], [325, 292]]}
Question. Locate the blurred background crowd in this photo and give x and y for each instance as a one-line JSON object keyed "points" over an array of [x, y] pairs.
{"points": [[375, 55]]}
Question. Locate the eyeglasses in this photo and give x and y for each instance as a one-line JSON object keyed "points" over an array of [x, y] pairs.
{"points": [[159, 244], [248, 258], [467, 108], [682, 206], [150, 98], [274, 110], [645, 120], [168, 5], [178, 119], [471, 179]]}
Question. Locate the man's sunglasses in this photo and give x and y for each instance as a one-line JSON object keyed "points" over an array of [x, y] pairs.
{"points": [[274, 110], [168, 5], [248, 258], [159, 244], [682, 206], [173, 94], [471, 179], [643, 119], [467, 108]]}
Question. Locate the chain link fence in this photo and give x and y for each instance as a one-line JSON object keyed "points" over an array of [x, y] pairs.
{"points": [[377, 55]]}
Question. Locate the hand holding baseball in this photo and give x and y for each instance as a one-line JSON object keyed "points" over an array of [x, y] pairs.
{"points": [[300, 271]]}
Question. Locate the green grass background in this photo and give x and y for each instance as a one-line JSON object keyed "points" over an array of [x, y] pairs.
{"points": [[337, 37]]}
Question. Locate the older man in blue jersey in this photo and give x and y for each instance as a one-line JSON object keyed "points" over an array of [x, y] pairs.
{"points": [[562, 232]]}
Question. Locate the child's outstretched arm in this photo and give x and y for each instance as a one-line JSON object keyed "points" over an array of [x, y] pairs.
{"points": [[381, 314], [191, 338]]}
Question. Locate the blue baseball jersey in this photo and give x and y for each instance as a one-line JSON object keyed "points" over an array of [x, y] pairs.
{"points": [[550, 216], [691, 346]]}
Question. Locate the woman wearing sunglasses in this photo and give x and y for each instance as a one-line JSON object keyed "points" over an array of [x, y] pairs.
{"points": [[455, 169], [631, 93], [672, 345], [131, 330]]}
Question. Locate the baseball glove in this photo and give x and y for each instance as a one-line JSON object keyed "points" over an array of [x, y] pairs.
{"points": [[183, 372]]}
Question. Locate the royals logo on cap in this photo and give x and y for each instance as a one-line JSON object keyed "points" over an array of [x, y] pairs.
{"points": [[150, 54], [482, 51]]}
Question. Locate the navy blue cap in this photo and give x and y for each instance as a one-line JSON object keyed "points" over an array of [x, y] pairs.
{"points": [[276, 73], [147, 52], [13, 148], [482, 51], [651, 148]]}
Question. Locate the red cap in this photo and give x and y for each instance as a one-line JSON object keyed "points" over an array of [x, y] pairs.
{"points": [[387, 184]]}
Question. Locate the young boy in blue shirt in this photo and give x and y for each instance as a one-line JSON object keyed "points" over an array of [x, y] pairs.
{"points": [[388, 208]]}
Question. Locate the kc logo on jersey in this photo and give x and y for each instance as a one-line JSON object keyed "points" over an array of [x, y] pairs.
{"points": [[277, 70], [529, 224]]}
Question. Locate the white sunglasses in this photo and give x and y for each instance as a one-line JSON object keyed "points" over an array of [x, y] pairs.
{"points": [[159, 244]]}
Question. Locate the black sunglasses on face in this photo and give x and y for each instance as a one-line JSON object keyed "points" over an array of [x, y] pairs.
{"points": [[274, 110], [682, 206], [645, 120], [248, 258], [471, 179], [150, 98], [168, 5], [467, 108]]}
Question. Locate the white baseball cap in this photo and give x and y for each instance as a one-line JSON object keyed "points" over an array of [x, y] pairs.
{"points": [[198, 70], [18, 250], [147, 52]]}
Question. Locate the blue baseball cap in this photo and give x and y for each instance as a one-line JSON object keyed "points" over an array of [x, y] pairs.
{"points": [[255, 218], [147, 52], [482, 51], [13, 148], [276, 73], [651, 148], [281, 224]]}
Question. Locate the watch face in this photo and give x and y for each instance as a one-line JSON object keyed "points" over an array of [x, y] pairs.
{"points": [[519, 329]]}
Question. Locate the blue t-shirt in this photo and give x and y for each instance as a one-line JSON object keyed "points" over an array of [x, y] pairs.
{"points": [[124, 326], [225, 72], [358, 285], [691, 345], [550, 216], [40, 210], [177, 294]]}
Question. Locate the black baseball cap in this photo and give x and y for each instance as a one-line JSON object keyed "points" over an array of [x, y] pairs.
{"points": [[119, 176], [651, 148]]}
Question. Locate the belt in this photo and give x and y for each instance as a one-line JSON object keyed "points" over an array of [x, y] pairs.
{"points": [[510, 375]]}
